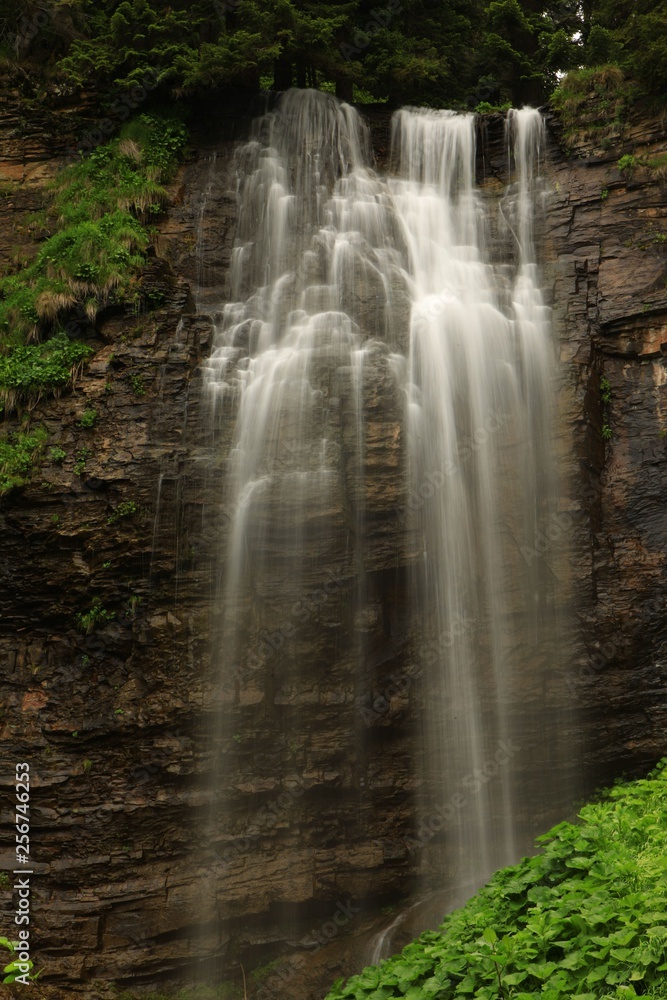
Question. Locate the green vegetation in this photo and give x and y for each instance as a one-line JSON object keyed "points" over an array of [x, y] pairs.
{"points": [[18, 453], [97, 615], [88, 418], [657, 165], [28, 371], [452, 52], [57, 455], [585, 919], [594, 104], [126, 509], [82, 456], [622, 59], [98, 215], [484, 108], [458, 53], [16, 967], [137, 381], [133, 604], [627, 164]]}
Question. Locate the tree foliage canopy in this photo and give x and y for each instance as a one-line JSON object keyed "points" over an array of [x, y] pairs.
{"points": [[458, 52]]}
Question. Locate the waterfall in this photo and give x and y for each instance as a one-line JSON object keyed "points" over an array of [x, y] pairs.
{"points": [[344, 281], [479, 390]]}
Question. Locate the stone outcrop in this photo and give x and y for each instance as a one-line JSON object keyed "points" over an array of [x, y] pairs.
{"points": [[108, 565], [606, 241]]}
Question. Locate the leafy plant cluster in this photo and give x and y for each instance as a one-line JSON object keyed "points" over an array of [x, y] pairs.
{"points": [[97, 615], [17, 454], [128, 508], [30, 370], [100, 207], [88, 418], [594, 104], [15, 967], [585, 919]]}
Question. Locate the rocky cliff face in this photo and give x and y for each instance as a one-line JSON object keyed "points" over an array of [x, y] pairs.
{"points": [[111, 710], [606, 241]]}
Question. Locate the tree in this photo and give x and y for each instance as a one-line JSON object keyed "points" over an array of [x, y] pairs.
{"points": [[636, 35], [525, 45]]}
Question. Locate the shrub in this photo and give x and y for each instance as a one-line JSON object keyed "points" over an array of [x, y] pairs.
{"points": [[92, 259], [82, 456], [29, 370], [88, 418], [97, 615], [18, 453], [593, 103], [126, 509], [586, 918], [628, 164], [484, 108]]}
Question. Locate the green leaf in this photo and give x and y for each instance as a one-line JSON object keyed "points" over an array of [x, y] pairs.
{"points": [[490, 935], [542, 970], [597, 974], [514, 978]]}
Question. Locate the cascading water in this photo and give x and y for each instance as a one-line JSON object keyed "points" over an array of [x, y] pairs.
{"points": [[342, 279], [479, 390]]}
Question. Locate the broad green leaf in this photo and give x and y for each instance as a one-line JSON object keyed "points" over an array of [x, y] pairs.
{"points": [[542, 970], [597, 974], [514, 978], [622, 954], [575, 960]]}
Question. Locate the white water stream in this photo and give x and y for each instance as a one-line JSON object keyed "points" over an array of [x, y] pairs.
{"points": [[336, 267]]}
